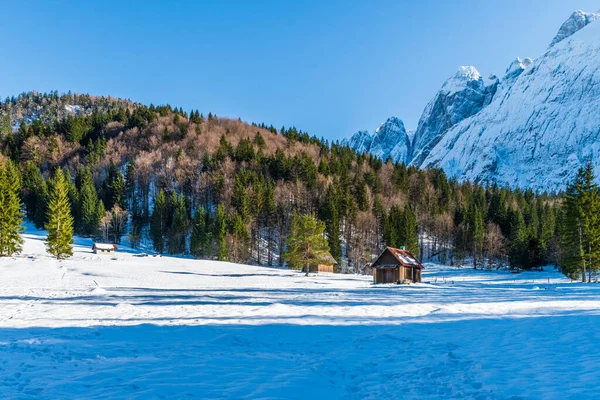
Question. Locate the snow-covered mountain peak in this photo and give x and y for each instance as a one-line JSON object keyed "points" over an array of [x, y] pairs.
{"points": [[389, 140], [516, 68], [577, 21], [391, 123], [532, 127], [461, 79]]}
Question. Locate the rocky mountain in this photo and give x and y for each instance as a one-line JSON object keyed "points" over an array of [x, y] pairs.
{"points": [[533, 127], [390, 139]]}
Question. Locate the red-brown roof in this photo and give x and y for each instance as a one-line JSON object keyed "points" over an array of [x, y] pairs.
{"points": [[405, 258]]}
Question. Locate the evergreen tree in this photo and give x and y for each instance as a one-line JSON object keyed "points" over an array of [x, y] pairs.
{"points": [[176, 241], [200, 236], [221, 233], [35, 194], [411, 237], [11, 218], [306, 243], [158, 222], [581, 230], [60, 222], [241, 240], [332, 223], [89, 203], [519, 238]]}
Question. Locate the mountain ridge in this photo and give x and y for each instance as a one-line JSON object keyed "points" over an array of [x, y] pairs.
{"points": [[478, 129]]}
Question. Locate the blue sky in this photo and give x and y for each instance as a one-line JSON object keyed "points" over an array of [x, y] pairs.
{"points": [[327, 67]]}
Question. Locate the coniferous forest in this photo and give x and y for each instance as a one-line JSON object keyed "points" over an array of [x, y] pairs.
{"points": [[189, 183]]}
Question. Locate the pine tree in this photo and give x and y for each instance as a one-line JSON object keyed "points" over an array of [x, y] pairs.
{"points": [[35, 194], [332, 222], [411, 236], [581, 230], [60, 222], [519, 240], [158, 222], [221, 234], [241, 238], [11, 218], [88, 203], [176, 241], [306, 243], [200, 236]]}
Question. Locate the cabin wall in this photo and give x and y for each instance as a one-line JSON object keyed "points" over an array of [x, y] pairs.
{"points": [[386, 258], [320, 268]]}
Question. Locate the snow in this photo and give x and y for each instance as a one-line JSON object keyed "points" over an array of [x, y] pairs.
{"points": [[577, 21], [538, 120], [390, 139], [131, 326], [460, 79], [542, 123]]}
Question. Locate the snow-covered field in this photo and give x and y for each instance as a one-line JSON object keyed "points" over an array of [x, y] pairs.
{"points": [[150, 327]]}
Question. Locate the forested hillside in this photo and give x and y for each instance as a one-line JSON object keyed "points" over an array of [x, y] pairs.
{"points": [[194, 183]]}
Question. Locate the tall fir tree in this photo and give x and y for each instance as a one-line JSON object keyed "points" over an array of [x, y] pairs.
{"points": [[176, 240], [60, 221], [199, 238], [306, 243], [11, 218], [221, 233], [35, 194], [581, 230], [158, 222]]}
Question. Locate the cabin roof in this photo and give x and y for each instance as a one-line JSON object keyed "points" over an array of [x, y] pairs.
{"points": [[404, 258], [329, 258], [104, 246]]}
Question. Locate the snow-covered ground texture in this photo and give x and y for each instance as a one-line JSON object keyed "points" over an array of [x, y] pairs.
{"points": [[125, 326], [533, 127]]}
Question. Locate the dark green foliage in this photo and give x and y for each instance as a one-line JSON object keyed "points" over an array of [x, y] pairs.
{"points": [[201, 236], [581, 226], [60, 222], [35, 194], [176, 240], [306, 243], [89, 210], [159, 222], [11, 218], [220, 233]]}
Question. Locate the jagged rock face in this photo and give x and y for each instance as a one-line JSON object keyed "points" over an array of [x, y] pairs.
{"points": [[539, 129], [360, 141], [389, 140], [532, 128], [461, 96], [577, 21]]}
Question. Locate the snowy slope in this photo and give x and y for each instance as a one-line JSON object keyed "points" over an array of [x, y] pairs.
{"points": [[533, 127], [461, 96], [148, 327], [544, 125]]}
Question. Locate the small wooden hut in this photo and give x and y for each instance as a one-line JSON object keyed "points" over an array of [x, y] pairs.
{"points": [[104, 248], [327, 266], [396, 266]]}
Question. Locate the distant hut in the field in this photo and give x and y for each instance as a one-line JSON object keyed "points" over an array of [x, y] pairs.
{"points": [[325, 266], [104, 248], [396, 266]]}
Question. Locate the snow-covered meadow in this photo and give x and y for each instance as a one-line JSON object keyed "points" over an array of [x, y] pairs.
{"points": [[127, 326]]}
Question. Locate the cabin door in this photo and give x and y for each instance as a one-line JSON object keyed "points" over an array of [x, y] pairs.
{"points": [[389, 275]]}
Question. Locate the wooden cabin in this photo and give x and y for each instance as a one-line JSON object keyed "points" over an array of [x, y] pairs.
{"points": [[104, 248], [396, 266], [327, 266]]}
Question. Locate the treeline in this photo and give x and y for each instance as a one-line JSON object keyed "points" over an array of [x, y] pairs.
{"points": [[218, 188]]}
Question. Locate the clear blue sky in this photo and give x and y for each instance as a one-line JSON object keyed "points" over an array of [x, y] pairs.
{"points": [[327, 67]]}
